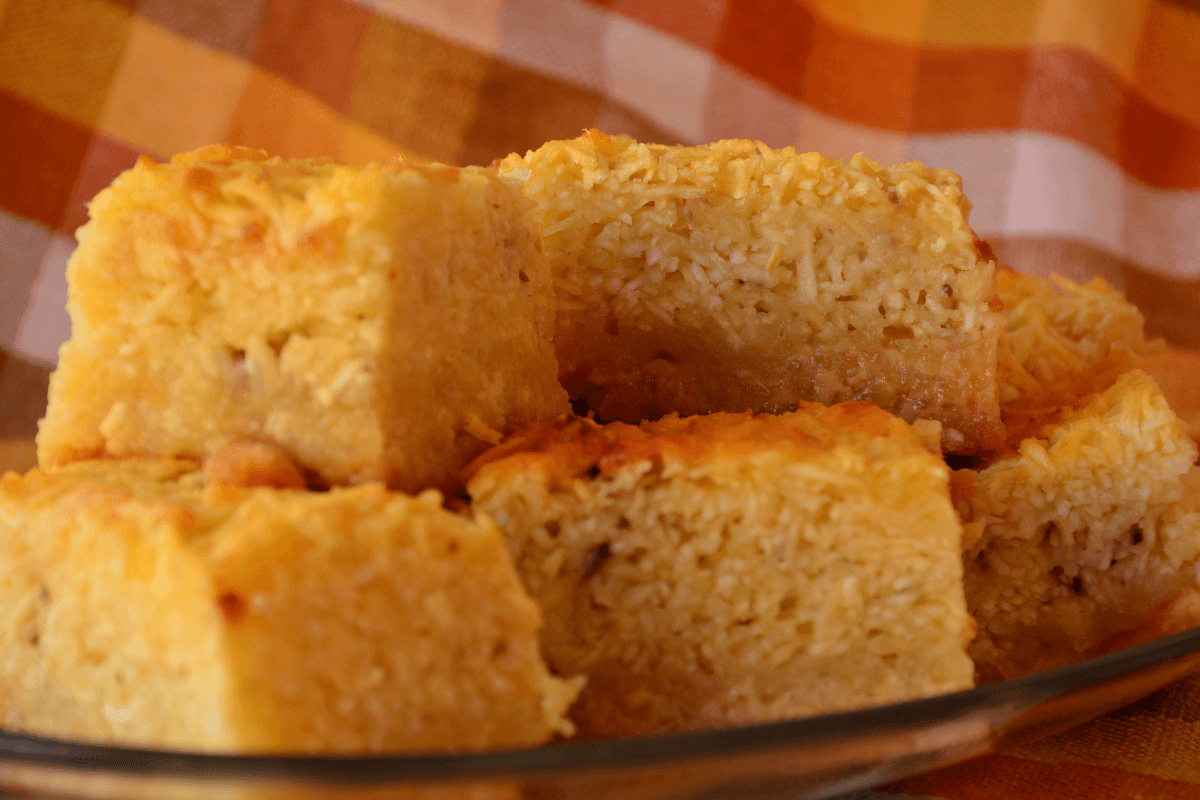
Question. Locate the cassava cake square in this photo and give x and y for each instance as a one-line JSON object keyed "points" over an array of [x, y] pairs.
{"points": [[1089, 524], [733, 277], [732, 568], [141, 606], [378, 322], [1080, 534]]}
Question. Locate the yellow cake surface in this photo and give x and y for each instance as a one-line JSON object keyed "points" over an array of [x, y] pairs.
{"points": [[732, 568], [378, 322], [1082, 532], [142, 607], [733, 277], [1062, 341]]}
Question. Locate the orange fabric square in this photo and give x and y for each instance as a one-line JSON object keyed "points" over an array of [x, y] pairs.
{"points": [[415, 88], [1158, 148], [519, 110], [1109, 30], [860, 78], [770, 39], [276, 116], [980, 23], [1168, 60], [171, 94], [968, 90], [228, 25], [62, 54], [896, 20], [39, 161], [312, 44], [697, 22]]}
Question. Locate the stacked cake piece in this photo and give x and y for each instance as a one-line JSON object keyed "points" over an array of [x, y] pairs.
{"points": [[731, 277], [244, 328], [377, 323], [1091, 521]]}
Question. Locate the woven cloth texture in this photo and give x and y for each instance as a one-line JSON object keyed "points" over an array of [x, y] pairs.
{"points": [[1074, 123]]}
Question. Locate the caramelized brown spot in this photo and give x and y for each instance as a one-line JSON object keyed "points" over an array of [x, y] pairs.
{"points": [[232, 605], [574, 445], [253, 232], [985, 250], [320, 241], [199, 179]]}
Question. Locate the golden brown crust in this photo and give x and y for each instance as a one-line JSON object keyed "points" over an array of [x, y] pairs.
{"points": [[569, 446], [1063, 344], [247, 464]]}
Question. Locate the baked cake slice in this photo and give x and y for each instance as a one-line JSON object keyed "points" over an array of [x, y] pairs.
{"points": [[378, 322], [142, 607], [731, 568], [1082, 532], [733, 277], [1088, 527]]}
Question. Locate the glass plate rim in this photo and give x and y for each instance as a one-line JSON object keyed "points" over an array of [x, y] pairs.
{"points": [[563, 757]]}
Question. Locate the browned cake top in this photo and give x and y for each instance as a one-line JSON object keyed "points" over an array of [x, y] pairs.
{"points": [[571, 446], [1063, 344]]}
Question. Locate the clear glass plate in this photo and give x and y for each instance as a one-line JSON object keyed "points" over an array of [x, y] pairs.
{"points": [[808, 758]]}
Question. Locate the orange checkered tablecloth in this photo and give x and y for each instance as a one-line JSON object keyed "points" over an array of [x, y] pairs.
{"points": [[1074, 123]]}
